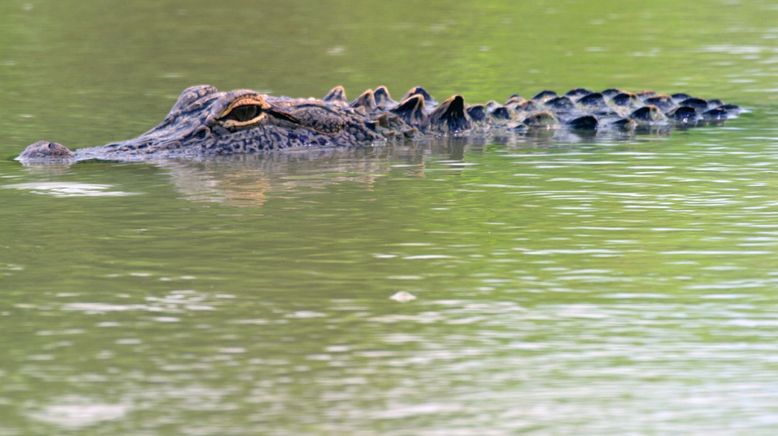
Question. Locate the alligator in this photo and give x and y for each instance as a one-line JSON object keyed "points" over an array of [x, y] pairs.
{"points": [[206, 122]]}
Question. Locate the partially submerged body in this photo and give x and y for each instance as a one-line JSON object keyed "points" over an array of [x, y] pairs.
{"points": [[206, 122]]}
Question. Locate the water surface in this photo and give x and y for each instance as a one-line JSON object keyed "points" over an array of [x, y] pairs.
{"points": [[583, 286]]}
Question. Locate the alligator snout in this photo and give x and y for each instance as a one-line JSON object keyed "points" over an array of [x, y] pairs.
{"points": [[45, 150]]}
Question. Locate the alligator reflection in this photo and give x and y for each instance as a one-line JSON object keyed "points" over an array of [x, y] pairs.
{"points": [[249, 180]]}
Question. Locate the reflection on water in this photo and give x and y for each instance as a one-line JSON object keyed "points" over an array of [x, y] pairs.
{"points": [[74, 413], [68, 189], [573, 286], [248, 180]]}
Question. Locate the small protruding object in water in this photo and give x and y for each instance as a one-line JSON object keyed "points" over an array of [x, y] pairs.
{"points": [[680, 96], [383, 99], [402, 297], [606, 112], [560, 103], [610, 92], [501, 113], [714, 115], [336, 95], [529, 106], [393, 126], [518, 128], [624, 99], [366, 100], [46, 150], [698, 104], [732, 109], [584, 123], [648, 115], [541, 120], [420, 91], [663, 102], [515, 99], [594, 99], [450, 116], [577, 93], [542, 96], [646, 93], [477, 112], [625, 124], [683, 115], [411, 110]]}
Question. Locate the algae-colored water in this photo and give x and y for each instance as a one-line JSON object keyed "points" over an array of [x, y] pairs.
{"points": [[591, 287]]}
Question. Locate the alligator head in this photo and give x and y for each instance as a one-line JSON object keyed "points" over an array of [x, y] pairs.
{"points": [[204, 122]]}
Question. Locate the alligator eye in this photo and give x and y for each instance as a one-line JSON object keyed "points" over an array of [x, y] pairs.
{"points": [[244, 114], [245, 111]]}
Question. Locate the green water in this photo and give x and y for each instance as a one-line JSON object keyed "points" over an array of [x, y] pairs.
{"points": [[588, 287]]}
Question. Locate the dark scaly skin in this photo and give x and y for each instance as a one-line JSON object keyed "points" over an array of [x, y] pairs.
{"points": [[206, 122]]}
